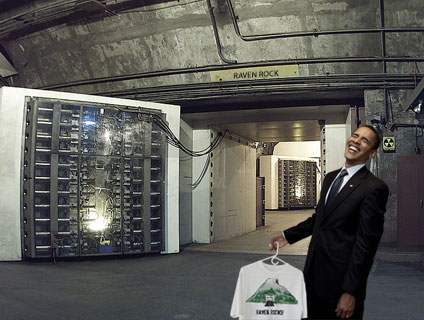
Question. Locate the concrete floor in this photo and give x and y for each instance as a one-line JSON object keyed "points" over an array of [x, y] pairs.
{"points": [[195, 284], [257, 241]]}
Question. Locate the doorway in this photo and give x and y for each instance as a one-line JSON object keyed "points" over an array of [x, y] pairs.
{"points": [[257, 126]]}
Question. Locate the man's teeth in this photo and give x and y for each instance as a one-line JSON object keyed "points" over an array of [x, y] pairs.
{"points": [[353, 149]]}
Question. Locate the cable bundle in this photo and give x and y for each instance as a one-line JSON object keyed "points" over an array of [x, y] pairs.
{"points": [[203, 173], [173, 140]]}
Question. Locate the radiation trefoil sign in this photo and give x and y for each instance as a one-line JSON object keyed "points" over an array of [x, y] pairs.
{"points": [[389, 144]]}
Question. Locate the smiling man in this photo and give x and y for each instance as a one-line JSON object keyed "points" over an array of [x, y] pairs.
{"points": [[346, 229]]}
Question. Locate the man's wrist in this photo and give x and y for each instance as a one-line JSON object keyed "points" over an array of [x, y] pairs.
{"points": [[284, 235]]}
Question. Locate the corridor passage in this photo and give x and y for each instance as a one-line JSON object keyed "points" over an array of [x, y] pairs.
{"points": [[257, 241]]}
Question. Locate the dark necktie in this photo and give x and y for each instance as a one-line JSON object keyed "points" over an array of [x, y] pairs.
{"points": [[336, 186]]}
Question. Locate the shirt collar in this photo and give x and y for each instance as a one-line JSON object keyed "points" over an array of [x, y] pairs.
{"points": [[352, 170]]}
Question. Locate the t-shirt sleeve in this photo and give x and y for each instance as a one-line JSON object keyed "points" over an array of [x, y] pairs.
{"points": [[237, 299]]}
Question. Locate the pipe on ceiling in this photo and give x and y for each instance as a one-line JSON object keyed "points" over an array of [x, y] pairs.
{"points": [[315, 33], [170, 72], [44, 14], [222, 89], [215, 33]]}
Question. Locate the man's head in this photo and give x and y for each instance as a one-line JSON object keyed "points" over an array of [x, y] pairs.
{"points": [[361, 146]]}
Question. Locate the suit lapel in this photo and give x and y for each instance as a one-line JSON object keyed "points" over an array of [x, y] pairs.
{"points": [[348, 188]]}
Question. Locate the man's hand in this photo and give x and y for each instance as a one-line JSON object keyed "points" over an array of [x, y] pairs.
{"points": [[346, 306], [281, 242]]}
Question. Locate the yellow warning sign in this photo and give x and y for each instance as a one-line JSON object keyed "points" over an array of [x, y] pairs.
{"points": [[389, 144], [255, 73]]}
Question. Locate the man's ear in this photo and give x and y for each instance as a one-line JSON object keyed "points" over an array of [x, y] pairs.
{"points": [[373, 153]]}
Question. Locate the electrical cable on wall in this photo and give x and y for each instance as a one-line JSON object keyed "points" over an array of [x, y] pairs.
{"points": [[161, 8], [389, 100], [203, 173], [173, 140]]}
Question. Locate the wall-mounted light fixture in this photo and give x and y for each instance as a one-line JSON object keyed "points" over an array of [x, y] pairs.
{"points": [[415, 100], [418, 107]]}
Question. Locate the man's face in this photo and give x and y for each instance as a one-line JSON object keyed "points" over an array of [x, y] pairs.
{"points": [[359, 147]]}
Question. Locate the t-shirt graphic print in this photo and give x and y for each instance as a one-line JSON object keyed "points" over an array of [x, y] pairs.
{"points": [[269, 292]]}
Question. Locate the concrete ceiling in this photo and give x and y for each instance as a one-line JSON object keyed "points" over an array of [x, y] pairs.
{"points": [[272, 124]]}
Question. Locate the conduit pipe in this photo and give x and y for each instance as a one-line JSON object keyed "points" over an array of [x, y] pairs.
{"points": [[215, 33], [18, 17], [44, 14], [190, 91], [37, 16], [315, 33], [383, 34], [170, 72]]}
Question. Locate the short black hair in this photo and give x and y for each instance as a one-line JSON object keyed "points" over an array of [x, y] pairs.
{"points": [[377, 140]]}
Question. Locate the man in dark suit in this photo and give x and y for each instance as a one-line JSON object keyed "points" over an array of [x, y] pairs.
{"points": [[346, 229]]}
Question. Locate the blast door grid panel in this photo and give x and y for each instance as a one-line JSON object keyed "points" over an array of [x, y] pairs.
{"points": [[94, 179], [296, 184]]}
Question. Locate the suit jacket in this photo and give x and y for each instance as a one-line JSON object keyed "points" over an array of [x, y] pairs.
{"points": [[345, 236]]}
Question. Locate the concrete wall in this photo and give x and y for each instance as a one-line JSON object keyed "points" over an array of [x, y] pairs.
{"points": [[351, 119], [385, 166], [180, 35]]}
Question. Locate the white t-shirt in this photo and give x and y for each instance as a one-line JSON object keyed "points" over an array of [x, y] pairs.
{"points": [[266, 291]]}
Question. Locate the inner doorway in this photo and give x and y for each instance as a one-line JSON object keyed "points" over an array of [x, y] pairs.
{"points": [[261, 126]]}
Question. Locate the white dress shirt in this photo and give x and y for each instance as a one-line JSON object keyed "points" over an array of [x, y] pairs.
{"points": [[350, 172]]}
